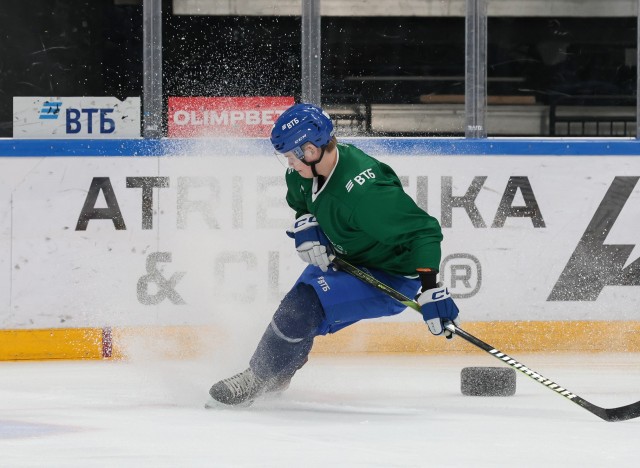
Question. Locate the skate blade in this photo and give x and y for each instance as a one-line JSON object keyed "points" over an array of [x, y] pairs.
{"points": [[217, 405], [214, 404]]}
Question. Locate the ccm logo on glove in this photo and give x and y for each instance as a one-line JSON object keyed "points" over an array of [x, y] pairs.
{"points": [[440, 294], [304, 220], [312, 244]]}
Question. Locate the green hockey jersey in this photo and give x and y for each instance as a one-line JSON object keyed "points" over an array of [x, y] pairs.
{"points": [[367, 216]]}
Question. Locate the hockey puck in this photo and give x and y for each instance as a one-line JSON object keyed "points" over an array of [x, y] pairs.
{"points": [[488, 381]]}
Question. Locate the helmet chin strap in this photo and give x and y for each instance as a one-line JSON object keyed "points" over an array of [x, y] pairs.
{"points": [[312, 165]]}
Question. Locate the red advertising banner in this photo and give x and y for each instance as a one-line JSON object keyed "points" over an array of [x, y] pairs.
{"points": [[193, 117]]}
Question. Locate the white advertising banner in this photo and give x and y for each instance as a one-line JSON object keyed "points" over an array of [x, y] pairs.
{"points": [[188, 239], [76, 117]]}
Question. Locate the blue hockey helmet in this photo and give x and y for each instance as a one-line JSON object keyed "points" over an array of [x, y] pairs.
{"points": [[300, 124]]}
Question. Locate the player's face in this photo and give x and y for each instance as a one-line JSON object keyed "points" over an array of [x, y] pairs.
{"points": [[297, 165]]}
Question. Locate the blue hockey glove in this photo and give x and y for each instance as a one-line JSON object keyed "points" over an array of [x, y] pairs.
{"points": [[312, 244], [437, 308]]}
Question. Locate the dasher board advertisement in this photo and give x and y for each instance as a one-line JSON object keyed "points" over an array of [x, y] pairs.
{"points": [[193, 117], [76, 117], [187, 239]]}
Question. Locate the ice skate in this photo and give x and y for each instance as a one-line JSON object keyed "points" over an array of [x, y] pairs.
{"points": [[244, 388], [240, 390]]}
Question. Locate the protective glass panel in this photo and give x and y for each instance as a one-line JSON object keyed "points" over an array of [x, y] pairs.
{"points": [[568, 69], [222, 64], [394, 75], [54, 49]]}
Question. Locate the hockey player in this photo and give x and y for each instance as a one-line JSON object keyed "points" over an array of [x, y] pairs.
{"points": [[348, 204]]}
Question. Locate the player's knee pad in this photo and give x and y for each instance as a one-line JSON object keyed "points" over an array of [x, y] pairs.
{"points": [[299, 314]]}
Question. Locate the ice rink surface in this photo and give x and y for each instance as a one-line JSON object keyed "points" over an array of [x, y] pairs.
{"points": [[355, 411]]}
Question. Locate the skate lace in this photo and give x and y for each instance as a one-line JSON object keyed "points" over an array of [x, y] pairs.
{"points": [[242, 383]]}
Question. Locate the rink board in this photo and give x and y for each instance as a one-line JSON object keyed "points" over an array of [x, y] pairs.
{"points": [[189, 342], [153, 235]]}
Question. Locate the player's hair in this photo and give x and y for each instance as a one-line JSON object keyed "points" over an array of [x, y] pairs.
{"points": [[332, 144]]}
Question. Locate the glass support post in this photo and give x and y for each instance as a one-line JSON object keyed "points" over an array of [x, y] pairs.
{"points": [[152, 68], [476, 68], [310, 52]]}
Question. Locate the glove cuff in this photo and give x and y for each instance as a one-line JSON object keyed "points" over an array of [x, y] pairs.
{"points": [[436, 294], [304, 222]]}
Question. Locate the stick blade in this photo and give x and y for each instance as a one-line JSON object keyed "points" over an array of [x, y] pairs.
{"points": [[621, 413], [624, 413]]}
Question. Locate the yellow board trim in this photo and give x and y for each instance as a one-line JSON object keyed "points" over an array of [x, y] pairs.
{"points": [[180, 342], [55, 343], [538, 336]]}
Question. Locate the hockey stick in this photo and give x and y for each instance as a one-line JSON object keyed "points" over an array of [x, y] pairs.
{"points": [[621, 413]]}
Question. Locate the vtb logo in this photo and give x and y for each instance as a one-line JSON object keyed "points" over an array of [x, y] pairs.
{"points": [[50, 110]]}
